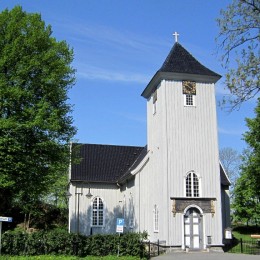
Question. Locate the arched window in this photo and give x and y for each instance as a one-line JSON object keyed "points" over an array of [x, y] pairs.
{"points": [[97, 212], [192, 185]]}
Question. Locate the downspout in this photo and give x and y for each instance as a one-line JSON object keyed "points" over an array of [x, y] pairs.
{"points": [[139, 204], [167, 160]]}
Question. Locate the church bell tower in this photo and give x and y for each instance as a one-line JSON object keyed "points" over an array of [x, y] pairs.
{"points": [[183, 143]]}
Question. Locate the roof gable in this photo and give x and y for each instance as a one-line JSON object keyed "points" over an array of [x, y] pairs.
{"points": [[104, 163]]}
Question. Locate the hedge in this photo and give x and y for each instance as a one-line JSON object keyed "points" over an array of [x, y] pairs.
{"points": [[60, 242]]}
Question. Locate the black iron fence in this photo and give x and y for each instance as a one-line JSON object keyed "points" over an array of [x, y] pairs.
{"points": [[236, 246], [155, 248], [244, 246]]}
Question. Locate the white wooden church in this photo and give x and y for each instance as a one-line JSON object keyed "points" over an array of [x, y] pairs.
{"points": [[175, 188]]}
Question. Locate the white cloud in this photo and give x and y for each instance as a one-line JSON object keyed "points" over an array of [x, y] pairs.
{"points": [[96, 73], [107, 43], [230, 131], [133, 117], [81, 31]]}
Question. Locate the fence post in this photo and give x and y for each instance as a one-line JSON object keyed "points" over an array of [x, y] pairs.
{"points": [[241, 245], [158, 247], [149, 244]]}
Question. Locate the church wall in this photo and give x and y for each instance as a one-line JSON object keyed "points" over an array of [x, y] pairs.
{"points": [[111, 197], [158, 167], [176, 230], [196, 148], [130, 198], [149, 196], [183, 139], [226, 207], [191, 142]]}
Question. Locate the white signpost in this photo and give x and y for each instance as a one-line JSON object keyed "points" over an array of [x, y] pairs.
{"points": [[120, 222], [3, 219]]}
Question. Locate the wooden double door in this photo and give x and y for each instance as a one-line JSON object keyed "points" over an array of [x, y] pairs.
{"points": [[193, 230]]}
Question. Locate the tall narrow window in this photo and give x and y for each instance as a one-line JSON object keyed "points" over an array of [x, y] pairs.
{"points": [[97, 212], [192, 185], [189, 185], [124, 210], [156, 218], [131, 211]]}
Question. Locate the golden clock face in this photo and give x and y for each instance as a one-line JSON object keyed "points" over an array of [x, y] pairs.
{"points": [[189, 87]]}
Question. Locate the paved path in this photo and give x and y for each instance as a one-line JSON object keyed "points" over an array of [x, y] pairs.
{"points": [[206, 256]]}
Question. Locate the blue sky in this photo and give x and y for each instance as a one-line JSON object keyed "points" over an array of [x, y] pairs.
{"points": [[118, 47]]}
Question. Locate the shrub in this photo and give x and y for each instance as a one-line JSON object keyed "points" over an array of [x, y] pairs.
{"points": [[60, 242]]}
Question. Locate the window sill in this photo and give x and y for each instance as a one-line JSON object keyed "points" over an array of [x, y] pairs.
{"points": [[97, 226]]}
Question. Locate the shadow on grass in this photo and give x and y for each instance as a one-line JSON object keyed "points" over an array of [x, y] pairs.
{"points": [[242, 242]]}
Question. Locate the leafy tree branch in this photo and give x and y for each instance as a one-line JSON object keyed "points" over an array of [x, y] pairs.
{"points": [[238, 39]]}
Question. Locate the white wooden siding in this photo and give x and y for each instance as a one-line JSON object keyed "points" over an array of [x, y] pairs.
{"points": [[111, 196], [180, 139]]}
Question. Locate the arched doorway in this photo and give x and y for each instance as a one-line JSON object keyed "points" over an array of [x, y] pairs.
{"points": [[193, 229]]}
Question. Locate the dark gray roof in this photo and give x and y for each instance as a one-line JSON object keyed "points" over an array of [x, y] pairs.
{"points": [[111, 163], [104, 163], [180, 65], [135, 164], [223, 178], [180, 60]]}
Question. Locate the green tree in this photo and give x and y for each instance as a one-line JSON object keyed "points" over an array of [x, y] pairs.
{"points": [[247, 190], [35, 116], [239, 37], [245, 204]]}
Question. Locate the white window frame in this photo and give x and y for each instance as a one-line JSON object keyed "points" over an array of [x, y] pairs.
{"points": [[192, 185], [156, 219], [131, 212], [98, 210], [193, 98]]}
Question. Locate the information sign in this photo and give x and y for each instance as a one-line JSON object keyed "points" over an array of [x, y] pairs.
{"points": [[6, 219], [228, 233], [120, 222]]}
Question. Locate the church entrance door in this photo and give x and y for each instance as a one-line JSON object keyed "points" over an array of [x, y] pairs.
{"points": [[193, 229]]}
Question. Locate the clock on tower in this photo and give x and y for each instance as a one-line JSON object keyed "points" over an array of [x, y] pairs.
{"points": [[189, 87]]}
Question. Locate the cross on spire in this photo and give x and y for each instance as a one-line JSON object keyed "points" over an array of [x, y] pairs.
{"points": [[176, 36]]}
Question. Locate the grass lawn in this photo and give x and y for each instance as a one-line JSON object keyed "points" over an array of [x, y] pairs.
{"points": [[239, 235], [245, 232], [54, 257], [249, 245]]}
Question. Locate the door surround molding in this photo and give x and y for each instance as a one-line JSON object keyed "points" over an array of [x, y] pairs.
{"points": [[203, 225]]}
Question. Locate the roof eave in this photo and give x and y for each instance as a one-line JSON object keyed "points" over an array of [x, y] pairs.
{"points": [[159, 76], [226, 175], [89, 181], [133, 171]]}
